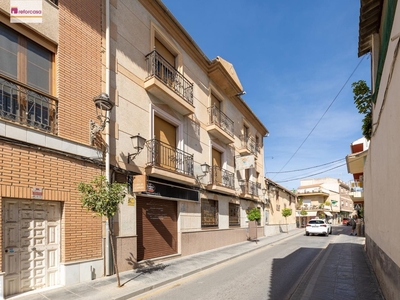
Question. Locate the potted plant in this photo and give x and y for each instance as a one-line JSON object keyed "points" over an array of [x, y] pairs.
{"points": [[254, 216]]}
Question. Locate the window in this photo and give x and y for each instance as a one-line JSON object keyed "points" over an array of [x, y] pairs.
{"points": [[26, 81], [209, 213], [234, 214]]}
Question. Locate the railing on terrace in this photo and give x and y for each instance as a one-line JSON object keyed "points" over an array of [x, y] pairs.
{"points": [[223, 177], [218, 118], [249, 144], [164, 156], [157, 66], [24, 105]]}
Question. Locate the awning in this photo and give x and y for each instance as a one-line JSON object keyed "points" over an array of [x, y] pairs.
{"points": [[328, 214]]}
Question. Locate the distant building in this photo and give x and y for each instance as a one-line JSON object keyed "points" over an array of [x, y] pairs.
{"points": [[324, 198], [277, 198]]}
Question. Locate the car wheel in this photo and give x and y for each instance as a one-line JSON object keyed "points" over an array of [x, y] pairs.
{"points": [[307, 233], [326, 233], [330, 231]]}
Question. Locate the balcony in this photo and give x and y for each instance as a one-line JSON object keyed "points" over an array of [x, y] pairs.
{"points": [[249, 188], [248, 146], [167, 84], [356, 190], [222, 180], [169, 163], [220, 125], [26, 106]]}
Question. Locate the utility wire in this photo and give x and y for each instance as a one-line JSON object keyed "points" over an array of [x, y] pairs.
{"points": [[312, 130], [280, 181], [309, 175], [298, 170]]}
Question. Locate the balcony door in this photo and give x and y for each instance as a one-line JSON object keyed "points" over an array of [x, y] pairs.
{"points": [[215, 110], [166, 66], [165, 150], [217, 164]]}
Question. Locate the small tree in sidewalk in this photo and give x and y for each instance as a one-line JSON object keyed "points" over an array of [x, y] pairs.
{"points": [[286, 212], [103, 198]]}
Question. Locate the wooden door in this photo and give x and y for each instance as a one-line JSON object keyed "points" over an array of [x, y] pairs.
{"points": [[31, 231], [216, 163], [165, 148]]}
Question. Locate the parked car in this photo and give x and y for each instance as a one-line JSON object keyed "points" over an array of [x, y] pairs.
{"points": [[345, 221], [318, 226]]}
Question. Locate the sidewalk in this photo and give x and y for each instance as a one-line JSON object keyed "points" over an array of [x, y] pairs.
{"points": [[341, 271], [142, 280]]}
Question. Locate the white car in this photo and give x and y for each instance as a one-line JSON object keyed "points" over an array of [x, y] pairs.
{"points": [[318, 226]]}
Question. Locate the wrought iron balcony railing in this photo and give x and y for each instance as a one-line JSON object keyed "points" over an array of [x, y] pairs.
{"points": [[223, 177], [218, 118], [158, 67], [22, 104], [164, 156], [249, 144], [252, 188]]}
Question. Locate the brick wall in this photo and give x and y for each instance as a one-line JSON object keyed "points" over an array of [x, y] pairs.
{"points": [[79, 66], [24, 168]]}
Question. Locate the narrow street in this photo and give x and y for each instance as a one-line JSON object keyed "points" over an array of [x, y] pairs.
{"points": [[269, 273]]}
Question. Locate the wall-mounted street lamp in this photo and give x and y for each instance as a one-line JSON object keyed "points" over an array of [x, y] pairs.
{"points": [[138, 143], [205, 168], [103, 106], [264, 191]]}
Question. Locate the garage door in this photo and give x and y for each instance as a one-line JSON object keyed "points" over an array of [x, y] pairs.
{"points": [[156, 228], [31, 231]]}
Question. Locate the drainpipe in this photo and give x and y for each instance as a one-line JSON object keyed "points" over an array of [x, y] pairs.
{"points": [[107, 133]]}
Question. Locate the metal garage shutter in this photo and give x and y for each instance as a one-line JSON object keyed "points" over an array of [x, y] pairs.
{"points": [[156, 228]]}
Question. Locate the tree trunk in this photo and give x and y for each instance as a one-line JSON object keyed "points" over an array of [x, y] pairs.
{"points": [[114, 257]]}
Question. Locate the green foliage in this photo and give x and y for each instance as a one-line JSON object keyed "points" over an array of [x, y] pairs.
{"points": [[363, 102], [102, 197], [254, 214], [303, 212], [327, 203], [286, 212]]}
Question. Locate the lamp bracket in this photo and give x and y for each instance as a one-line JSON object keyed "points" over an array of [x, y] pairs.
{"points": [[94, 130], [132, 156]]}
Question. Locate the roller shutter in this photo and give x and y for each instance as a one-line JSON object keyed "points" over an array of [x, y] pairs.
{"points": [[156, 228]]}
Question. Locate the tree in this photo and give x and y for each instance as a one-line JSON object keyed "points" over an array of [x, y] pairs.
{"points": [[103, 198], [363, 102], [286, 212]]}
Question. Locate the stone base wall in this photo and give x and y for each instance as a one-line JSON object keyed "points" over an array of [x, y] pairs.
{"points": [[386, 270], [198, 241]]}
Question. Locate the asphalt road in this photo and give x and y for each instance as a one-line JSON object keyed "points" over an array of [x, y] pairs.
{"points": [[269, 273]]}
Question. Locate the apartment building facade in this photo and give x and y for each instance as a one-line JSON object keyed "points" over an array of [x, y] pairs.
{"points": [[202, 164], [379, 28], [190, 184]]}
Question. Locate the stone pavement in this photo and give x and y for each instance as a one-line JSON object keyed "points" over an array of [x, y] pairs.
{"points": [[340, 272]]}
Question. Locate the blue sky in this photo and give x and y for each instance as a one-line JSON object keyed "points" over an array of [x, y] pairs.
{"points": [[293, 59]]}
